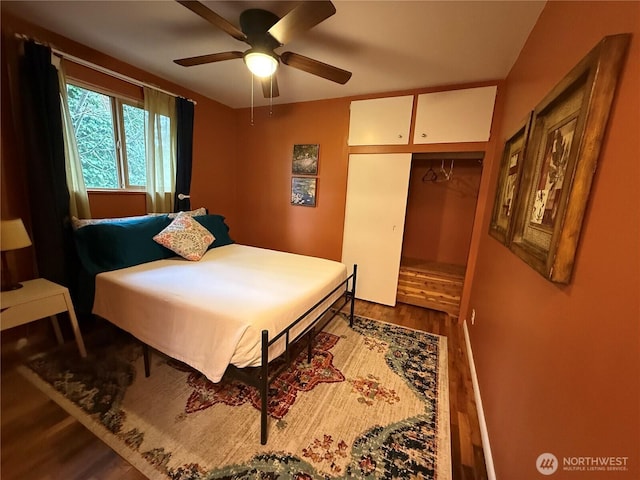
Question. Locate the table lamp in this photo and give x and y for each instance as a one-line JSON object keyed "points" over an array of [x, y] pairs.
{"points": [[13, 236]]}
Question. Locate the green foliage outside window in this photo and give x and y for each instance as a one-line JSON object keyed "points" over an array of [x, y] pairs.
{"points": [[133, 132], [92, 116], [93, 125]]}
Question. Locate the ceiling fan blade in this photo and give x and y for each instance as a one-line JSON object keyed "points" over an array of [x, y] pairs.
{"points": [[212, 17], [213, 57], [315, 67], [269, 89], [301, 18]]}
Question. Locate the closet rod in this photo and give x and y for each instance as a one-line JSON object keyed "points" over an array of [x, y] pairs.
{"points": [[101, 69]]}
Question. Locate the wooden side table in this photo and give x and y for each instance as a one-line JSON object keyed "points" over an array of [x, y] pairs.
{"points": [[37, 299]]}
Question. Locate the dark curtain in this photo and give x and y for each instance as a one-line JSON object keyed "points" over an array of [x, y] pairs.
{"points": [[184, 110], [45, 161]]}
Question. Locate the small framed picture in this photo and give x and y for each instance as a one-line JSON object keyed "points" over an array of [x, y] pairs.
{"points": [[305, 159], [303, 191]]}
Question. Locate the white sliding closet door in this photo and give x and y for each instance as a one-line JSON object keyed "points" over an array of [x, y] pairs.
{"points": [[377, 188]]}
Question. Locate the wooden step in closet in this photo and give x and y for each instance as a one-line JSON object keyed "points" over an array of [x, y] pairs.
{"points": [[433, 285]]}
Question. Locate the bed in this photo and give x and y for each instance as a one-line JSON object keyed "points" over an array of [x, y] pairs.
{"points": [[232, 312]]}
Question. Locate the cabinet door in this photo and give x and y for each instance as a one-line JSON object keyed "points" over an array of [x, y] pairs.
{"points": [[377, 189], [380, 121], [455, 116]]}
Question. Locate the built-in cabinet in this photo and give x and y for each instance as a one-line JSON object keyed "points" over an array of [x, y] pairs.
{"points": [[377, 184], [381, 121], [455, 116]]}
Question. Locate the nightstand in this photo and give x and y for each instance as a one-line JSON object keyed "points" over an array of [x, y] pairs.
{"points": [[37, 299]]}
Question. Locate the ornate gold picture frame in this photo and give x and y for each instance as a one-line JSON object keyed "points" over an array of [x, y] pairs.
{"points": [[508, 183], [566, 135]]}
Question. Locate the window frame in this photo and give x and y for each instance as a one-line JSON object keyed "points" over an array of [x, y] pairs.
{"points": [[117, 102]]}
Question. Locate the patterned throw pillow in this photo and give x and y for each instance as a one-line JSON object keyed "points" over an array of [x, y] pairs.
{"points": [[186, 237]]}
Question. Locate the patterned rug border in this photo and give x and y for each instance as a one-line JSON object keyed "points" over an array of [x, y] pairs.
{"points": [[147, 469], [92, 425], [444, 435]]}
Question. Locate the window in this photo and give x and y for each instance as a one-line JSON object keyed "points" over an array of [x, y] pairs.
{"points": [[110, 133]]}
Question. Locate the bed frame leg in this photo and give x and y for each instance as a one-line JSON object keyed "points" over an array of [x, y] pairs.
{"points": [[264, 387], [353, 294], [145, 354]]}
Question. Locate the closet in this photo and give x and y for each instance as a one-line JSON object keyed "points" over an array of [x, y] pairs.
{"points": [[441, 204], [410, 208]]}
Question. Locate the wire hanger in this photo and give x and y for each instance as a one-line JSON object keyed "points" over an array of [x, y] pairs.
{"points": [[430, 175], [447, 175], [442, 175]]}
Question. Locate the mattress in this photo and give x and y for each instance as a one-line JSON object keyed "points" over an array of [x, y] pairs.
{"points": [[209, 314]]}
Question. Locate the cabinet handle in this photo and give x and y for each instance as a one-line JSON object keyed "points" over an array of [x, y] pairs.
{"points": [[424, 135], [399, 135]]}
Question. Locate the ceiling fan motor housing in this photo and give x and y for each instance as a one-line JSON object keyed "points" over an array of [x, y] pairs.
{"points": [[264, 31], [254, 24]]}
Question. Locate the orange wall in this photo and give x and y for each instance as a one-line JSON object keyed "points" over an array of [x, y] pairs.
{"points": [[440, 215], [105, 204], [558, 366], [264, 177], [214, 175]]}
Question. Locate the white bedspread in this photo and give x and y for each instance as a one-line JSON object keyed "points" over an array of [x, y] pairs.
{"points": [[210, 313]]}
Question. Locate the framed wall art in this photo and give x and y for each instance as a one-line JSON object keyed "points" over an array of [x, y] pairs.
{"points": [[508, 183], [303, 191], [305, 159], [566, 135]]}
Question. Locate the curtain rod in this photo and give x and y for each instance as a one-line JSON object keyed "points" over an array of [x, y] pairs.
{"points": [[101, 69], [111, 73]]}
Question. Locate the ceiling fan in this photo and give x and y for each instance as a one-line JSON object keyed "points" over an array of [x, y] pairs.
{"points": [[264, 31]]}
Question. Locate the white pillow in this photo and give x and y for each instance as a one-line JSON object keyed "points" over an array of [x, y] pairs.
{"points": [[186, 237], [191, 213], [77, 223]]}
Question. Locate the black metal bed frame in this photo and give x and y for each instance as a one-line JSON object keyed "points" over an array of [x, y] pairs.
{"points": [[260, 377]]}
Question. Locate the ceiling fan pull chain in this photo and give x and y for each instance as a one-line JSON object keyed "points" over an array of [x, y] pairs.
{"points": [[252, 99], [271, 96]]}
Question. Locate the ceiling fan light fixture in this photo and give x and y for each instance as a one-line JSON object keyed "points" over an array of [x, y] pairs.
{"points": [[261, 64]]}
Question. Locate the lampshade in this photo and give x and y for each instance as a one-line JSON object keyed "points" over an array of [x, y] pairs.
{"points": [[13, 235], [261, 64]]}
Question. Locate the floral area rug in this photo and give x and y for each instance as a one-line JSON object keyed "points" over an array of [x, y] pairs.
{"points": [[373, 403]]}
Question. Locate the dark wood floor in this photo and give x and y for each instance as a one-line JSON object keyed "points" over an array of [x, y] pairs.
{"points": [[40, 441]]}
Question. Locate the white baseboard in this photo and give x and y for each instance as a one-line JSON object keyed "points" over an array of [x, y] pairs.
{"points": [[484, 434]]}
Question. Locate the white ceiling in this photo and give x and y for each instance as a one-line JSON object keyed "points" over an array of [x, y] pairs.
{"points": [[388, 45]]}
